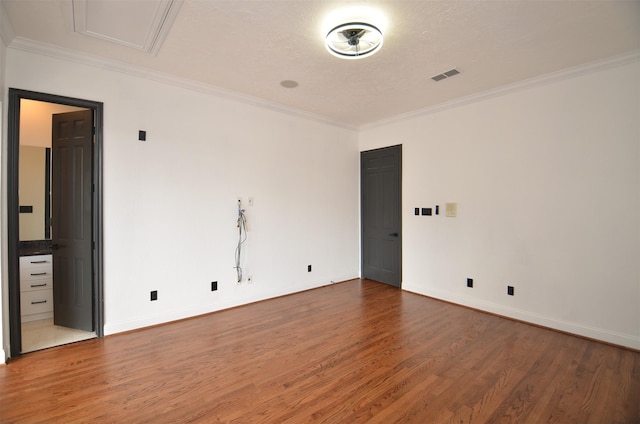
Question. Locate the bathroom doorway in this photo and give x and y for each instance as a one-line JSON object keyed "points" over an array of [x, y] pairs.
{"points": [[55, 221]]}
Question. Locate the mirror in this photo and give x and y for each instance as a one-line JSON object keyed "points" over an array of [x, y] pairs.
{"points": [[34, 183]]}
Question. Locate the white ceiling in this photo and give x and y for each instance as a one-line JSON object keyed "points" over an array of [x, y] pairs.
{"points": [[249, 47]]}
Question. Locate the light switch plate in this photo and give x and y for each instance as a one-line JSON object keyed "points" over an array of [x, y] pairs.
{"points": [[451, 209]]}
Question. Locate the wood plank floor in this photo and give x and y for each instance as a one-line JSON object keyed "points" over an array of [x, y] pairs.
{"points": [[353, 352]]}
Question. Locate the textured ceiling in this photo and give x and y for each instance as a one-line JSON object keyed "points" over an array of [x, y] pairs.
{"points": [[249, 47]]}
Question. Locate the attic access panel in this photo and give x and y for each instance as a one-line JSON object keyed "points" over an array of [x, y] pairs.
{"points": [[140, 25]]}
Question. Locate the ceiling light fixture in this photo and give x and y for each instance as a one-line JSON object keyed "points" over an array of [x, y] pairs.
{"points": [[354, 40]]}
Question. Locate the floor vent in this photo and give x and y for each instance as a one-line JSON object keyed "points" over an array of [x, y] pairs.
{"points": [[445, 75]]}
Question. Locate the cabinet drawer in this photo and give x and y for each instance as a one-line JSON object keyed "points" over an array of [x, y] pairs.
{"points": [[36, 302], [36, 273], [36, 267], [36, 284], [35, 260]]}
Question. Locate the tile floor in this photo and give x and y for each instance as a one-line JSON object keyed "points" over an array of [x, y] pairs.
{"points": [[42, 334]]}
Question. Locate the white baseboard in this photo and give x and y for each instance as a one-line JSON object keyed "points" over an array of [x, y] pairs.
{"points": [[175, 315], [608, 336], [148, 321]]}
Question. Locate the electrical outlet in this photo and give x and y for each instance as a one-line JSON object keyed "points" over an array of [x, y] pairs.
{"points": [[154, 295], [510, 290], [214, 285], [470, 283]]}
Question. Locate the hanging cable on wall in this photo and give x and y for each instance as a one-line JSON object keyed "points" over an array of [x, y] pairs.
{"points": [[242, 237]]}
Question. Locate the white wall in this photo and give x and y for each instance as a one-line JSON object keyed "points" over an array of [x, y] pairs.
{"points": [[546, 178], [170, 202], [547, 181]]}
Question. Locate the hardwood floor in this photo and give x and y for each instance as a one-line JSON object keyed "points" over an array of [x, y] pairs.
{"points": [[353, 352]]}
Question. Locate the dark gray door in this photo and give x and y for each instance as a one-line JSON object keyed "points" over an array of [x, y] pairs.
{"points": [[381, 198], [71, 202]]}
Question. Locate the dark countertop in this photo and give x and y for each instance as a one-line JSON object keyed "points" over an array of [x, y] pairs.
{"points": [[34, 247]]}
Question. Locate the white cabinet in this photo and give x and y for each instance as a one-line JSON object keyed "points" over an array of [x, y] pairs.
{"points": [[36, 287]]}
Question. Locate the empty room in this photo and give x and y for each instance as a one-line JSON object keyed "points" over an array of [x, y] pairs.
{"points": [[262, 211]]}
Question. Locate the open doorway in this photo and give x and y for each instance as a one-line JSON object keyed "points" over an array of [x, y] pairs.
{"points": [[55, 221]]}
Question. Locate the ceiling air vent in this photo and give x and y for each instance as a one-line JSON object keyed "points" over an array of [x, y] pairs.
{"points": [[445, 75]]}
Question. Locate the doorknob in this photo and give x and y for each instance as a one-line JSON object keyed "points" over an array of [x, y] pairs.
{"points": [[393, 234]]}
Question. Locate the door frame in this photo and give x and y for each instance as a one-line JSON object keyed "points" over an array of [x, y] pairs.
{"points": [[13, 148]]}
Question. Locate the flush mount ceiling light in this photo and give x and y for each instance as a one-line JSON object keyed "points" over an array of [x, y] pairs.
{"points": [[354, 40]]}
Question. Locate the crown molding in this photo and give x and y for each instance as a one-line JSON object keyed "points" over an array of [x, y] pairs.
{"points": [[572, 72], [22, 44], [43, 49]]}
